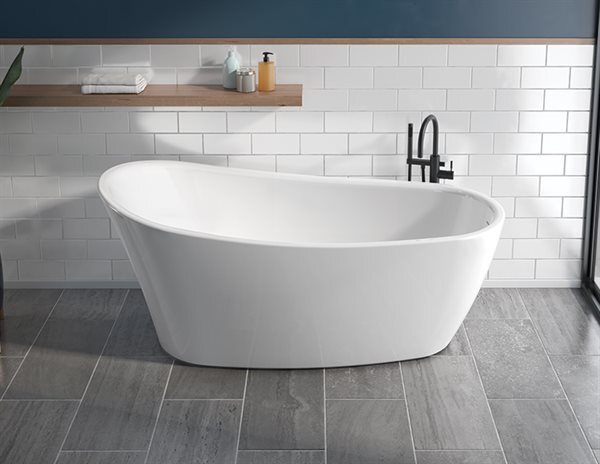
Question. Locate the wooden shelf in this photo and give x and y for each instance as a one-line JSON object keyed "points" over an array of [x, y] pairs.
{"points": [[154, 95]]}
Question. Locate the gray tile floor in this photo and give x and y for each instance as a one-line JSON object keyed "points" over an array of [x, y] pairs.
{"points": [[84, 380]]}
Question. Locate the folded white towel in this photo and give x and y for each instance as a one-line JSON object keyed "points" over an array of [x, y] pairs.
{"points": [[87, 89], [113, 79]]}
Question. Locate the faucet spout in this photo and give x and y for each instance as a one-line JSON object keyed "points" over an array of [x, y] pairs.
{"points": [[434, 162], [436, 131]]}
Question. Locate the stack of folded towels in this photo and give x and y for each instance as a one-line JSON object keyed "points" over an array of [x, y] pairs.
{"points": [[113, 83]]}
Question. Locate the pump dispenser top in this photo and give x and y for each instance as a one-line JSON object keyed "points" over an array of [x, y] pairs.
{"points": [[266, 73]]}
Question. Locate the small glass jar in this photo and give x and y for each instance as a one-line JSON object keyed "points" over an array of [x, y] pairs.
{"points": [[246, 80]]}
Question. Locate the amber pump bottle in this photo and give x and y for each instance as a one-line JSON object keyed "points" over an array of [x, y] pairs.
{"points": [[266, 73]]}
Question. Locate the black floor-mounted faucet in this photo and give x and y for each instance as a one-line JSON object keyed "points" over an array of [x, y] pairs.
{"points": [[434, 163]]}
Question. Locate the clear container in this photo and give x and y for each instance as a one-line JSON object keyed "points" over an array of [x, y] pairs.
{"points": [[230, 68], [246, 80]]}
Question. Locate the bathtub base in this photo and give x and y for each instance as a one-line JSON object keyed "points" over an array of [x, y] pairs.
{"points": [[319, 293], [239, 317], [277, 356], [217, 303], [201, 362], [303, 357]]}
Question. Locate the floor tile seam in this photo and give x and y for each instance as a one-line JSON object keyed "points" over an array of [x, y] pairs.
{"points": [[487, 402], [296, 450], [302, 450], [458, 450], [104, 317], [410, 428], [203, 399], [31, 345], [160, 408], [325, 458], [365, 399], [568, 401], [527, 399], [39, 400], [50, 318], [239, 432], [87, 386], [103, 451], [562, 387], [324, 380]]}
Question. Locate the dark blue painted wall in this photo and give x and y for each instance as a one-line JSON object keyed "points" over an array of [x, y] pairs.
{"points": [[298, 18]]}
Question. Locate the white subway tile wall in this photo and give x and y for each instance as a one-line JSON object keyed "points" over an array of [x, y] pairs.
{"points": [[514, 118]]}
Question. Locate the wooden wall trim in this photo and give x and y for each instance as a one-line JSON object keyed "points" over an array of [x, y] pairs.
{"points": [[141, 41]]}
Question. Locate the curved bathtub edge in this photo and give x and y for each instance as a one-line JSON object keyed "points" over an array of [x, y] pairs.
{"points": [[499, 214]]}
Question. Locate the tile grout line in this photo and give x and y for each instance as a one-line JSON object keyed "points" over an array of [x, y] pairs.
{"points": [[526, 399], [325, 416], [102, 451], [91, 377], [47, 400], [277, 450], [365, 399], [410, 429], [458, 450], [487, 401], [560, 382], [162, 401], [237, 446], [32, 343], [203, 399]]}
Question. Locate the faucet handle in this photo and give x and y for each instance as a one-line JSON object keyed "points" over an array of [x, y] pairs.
{"points": [[449, 174], [446, 174]]}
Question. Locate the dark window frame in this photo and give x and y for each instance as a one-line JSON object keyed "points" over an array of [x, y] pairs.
{"points": [[591, 231]]}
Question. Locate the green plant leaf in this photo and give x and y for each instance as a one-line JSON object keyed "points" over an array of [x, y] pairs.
{"points": [[12, 76]]}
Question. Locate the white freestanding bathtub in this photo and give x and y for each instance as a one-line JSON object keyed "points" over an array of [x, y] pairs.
{"points": [[253, 269]]}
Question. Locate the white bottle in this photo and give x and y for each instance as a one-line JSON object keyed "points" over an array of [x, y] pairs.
{"points": [[230, 68]]}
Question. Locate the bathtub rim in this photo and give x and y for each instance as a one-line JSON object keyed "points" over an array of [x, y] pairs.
{"points": [[495, 207]]}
